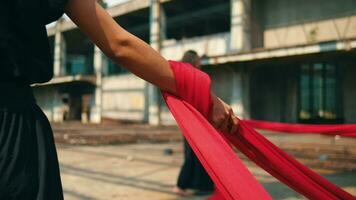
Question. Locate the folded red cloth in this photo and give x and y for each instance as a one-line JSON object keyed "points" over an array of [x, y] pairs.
{"points": [[233, 180], [345, 130]]}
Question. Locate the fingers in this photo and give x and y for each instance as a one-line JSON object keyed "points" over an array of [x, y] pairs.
{"points": [[231, 121], [228, 123], [220, 121], [223, 117], [234, 124]]}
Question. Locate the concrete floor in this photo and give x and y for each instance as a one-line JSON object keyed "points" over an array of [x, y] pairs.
{"points": [[143, 171]]}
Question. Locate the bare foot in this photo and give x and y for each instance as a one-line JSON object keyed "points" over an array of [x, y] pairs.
{"points": [[182, 192]]}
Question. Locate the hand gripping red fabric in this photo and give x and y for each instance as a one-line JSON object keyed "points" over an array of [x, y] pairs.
{"points": [[229, 174], [233, 180]]}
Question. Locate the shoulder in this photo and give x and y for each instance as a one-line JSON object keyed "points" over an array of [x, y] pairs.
{"points": [[45, 10], [54, 9]]}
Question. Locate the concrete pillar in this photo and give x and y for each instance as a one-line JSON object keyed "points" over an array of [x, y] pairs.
{"points": [[96, 110], [153, 107], [59, 51], [245, 92], [240, 38], [57, 108], [155, 25], [236, 97], [163, 24]]}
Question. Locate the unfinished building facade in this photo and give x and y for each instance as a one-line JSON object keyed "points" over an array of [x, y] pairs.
{"points": [[276, 60]]}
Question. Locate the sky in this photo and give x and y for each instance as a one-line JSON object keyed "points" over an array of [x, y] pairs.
{"points": [[114, 2]]}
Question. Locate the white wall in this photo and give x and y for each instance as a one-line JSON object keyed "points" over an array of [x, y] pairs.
{"points": [[291, 22], [228, 84], [124, 98], [211, 45], [50, 102]]}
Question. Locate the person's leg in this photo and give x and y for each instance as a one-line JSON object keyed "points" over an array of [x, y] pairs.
{"points": [[184, 177], [201, 179], [193, 175]]}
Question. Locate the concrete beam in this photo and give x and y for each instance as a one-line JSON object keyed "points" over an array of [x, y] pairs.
{"points": [[90, 79], [114, 11], [128, 7], [283, 52]]}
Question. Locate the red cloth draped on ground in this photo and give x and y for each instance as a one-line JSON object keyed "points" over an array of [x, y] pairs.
{"points": [[346, 130], [232, 179]]}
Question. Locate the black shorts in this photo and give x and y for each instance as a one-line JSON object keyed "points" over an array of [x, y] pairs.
{"points": [[28, 160]]}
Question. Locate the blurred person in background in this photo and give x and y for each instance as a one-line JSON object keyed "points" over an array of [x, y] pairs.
{"points": [[192, 179], [28, 160]]}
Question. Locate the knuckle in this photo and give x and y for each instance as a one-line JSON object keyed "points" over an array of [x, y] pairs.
{"points": [[221, 117], [218, 120]]}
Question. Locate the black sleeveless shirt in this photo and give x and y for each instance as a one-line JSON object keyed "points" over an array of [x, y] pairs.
{"points": [[24, 47]]}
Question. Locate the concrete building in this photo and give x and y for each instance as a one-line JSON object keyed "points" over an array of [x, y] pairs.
{"points": [[277, 60]]}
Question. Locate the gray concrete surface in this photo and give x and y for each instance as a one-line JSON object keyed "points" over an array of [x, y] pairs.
{"points": [[143, 171]]}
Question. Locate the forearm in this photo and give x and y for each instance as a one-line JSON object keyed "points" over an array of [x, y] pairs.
{"points": [[142, 60], [119, 45]]}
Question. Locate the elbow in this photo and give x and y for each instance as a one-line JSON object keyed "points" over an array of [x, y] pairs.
{"points": [[119, 49]]}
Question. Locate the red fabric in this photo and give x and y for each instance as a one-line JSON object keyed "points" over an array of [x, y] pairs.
{"points": [[346, 130], [216, 155], [284, 167], [232, 179]]}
